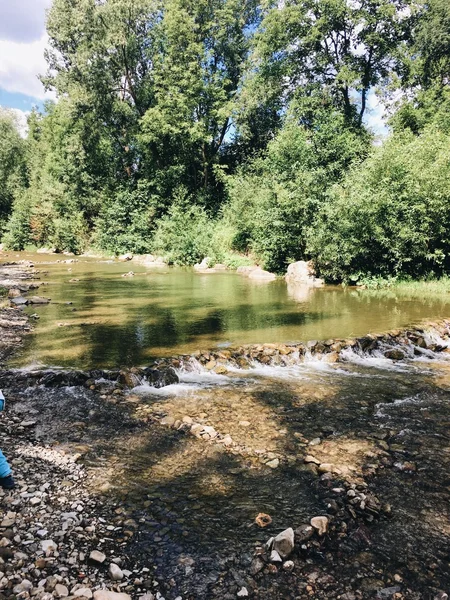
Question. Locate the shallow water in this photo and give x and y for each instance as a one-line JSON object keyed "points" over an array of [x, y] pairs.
{"points": [[106, 320], [196, 500]]}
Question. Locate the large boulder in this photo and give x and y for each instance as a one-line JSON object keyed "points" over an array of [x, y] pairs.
{"points": [[303, 272], [204, 265], [261, 275], [159, 378]]}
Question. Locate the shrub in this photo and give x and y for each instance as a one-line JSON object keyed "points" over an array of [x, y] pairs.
{"points": [[184, 235], [391, 216], [127, 222]]}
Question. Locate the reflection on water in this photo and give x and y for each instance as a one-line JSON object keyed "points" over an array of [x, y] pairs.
{"points": [[104, 319]]}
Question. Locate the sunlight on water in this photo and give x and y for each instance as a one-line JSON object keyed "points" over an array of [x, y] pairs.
{"points": [[97, 318]]}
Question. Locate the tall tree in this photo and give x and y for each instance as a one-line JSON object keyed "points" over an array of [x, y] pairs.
{"points": [[13, 173], [344, 46], [197, 79]]}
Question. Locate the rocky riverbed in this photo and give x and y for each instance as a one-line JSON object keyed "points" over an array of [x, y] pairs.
{"points": [[235, 473], [15, 280]]}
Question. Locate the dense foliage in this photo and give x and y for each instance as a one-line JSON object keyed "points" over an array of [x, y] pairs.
{"points": [[237, 130]]}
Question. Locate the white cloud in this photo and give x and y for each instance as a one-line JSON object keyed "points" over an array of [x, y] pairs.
{"points": [[22, 20], [21, 120], [20, 65]]}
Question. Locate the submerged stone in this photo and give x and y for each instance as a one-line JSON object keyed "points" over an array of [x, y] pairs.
{"points": [[283, 543]]}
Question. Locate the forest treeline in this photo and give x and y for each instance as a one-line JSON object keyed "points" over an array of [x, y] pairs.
{"points": [[233, 129]]}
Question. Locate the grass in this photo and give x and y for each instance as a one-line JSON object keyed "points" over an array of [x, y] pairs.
{"points": [[413, 289]]}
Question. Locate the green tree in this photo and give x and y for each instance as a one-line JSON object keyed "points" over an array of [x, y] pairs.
{"points": [[13, 172], [391, 215], [274, 200], [344, 47]]}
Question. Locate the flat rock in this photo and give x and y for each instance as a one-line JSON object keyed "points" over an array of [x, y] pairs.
{"points": [[38, 300], [107, 595], [19, 301]]}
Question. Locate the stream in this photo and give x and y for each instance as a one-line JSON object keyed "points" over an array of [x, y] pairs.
{"points": [[382, 424]]}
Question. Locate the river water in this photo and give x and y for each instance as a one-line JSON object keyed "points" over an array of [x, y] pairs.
{"points": [[383, 423], [98, 318]]}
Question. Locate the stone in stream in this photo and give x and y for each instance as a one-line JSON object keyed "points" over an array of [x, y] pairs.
{"points": [[108, 595], [283, 543], [320, 524], [261, 275], [394, 354], [97, 556], [196, 429], [115, 572], [208, 430], [38, 300], [19, 301], [159, 378]]}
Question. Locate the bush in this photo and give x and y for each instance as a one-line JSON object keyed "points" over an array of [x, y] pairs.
{"points": [[184, 235], [127, 222], [18, 230], [391, 216], [274, 201]]}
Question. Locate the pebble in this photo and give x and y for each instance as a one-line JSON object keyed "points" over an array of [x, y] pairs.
{"points": [[320, 524], [61, 591], [275, 557], [283, 543], [97, 556], [49, 546], [115, 572], [108, 595]]}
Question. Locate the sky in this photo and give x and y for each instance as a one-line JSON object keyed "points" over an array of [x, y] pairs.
{"points": [[22, 43]]}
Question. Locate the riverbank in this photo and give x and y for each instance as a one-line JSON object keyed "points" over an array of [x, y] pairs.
{"points": [[58, 540], [15, 280]]}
